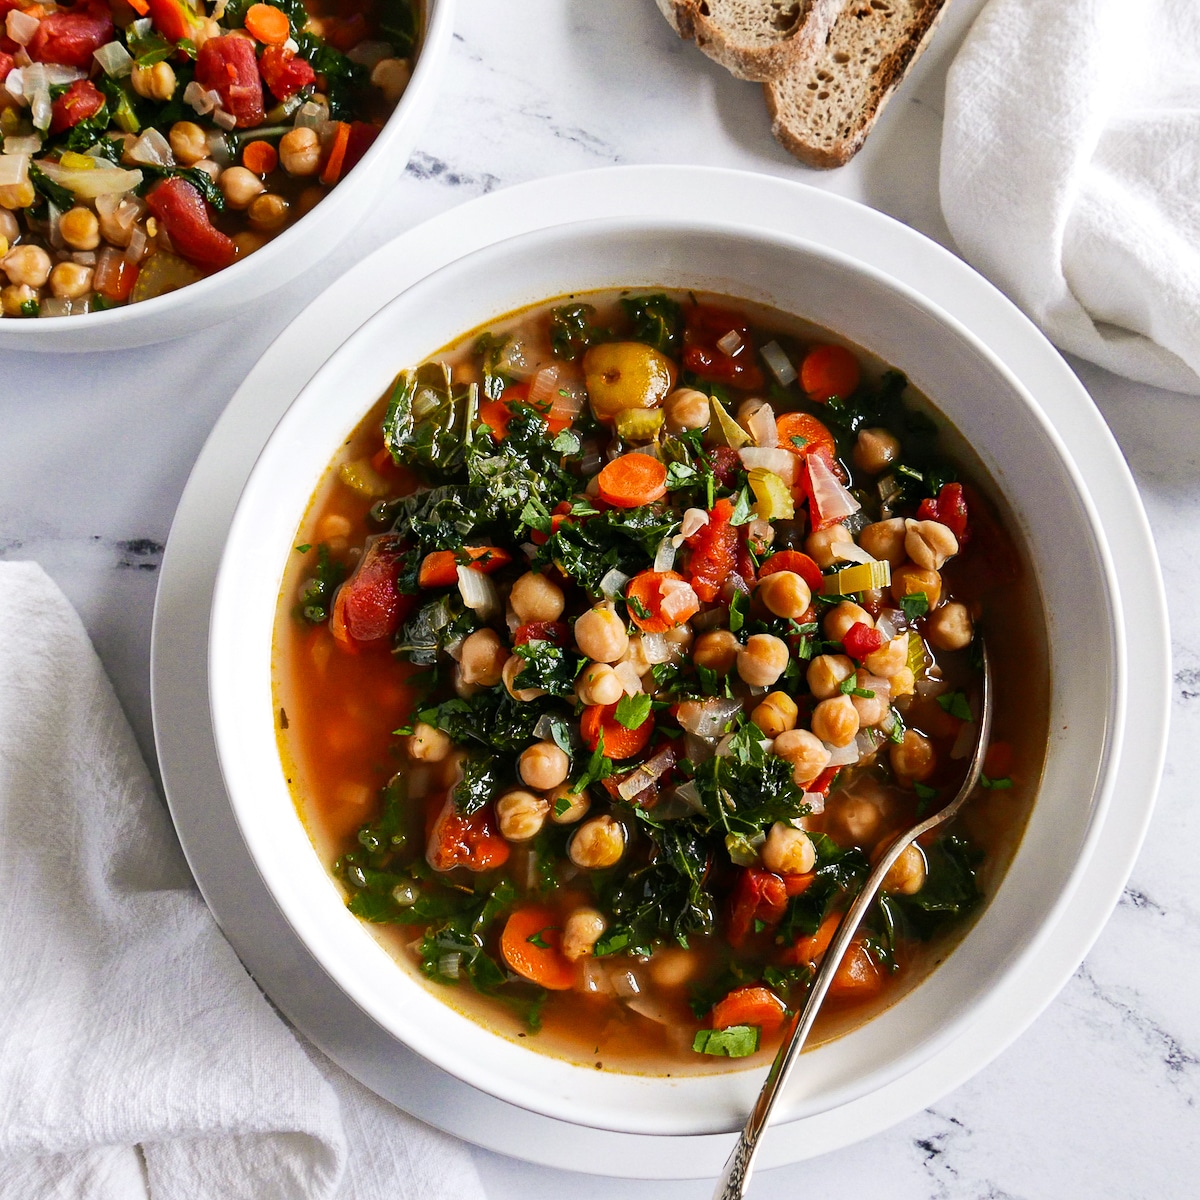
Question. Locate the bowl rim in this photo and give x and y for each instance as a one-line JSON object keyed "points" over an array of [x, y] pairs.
{"points": [[1101, 787], [439, 27]]}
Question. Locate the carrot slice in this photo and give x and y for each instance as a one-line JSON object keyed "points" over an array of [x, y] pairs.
{"points": [[496, 414], [645, 596], [829, 371], [259, 156], [857, 975], [749, 1006], [633, 480], [267, 24], [531, 945], [997, 763], [337, 155], [810, 950], [794, 560], [619, 742], [139, 6], [802, 433], [439, 568]]}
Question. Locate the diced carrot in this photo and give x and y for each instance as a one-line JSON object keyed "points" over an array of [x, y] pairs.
{"points": [[757, 896], [997, 763], [337, 155], [811, 949], [115, 274], [268, 24], [857, 975], [749, 1006], [439, 568], [259, 156], [829, 371], [796, 885], [496, 414], [794, 560], [633, 480], [619, 742], [645, 595], [531, 945], [139, 6]]}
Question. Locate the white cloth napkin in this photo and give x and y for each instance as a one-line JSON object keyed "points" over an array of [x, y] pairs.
{"points": [[137, 1058], [1070, 174]]}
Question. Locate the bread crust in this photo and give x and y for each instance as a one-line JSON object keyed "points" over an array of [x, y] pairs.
{"points": [[788, 98]]}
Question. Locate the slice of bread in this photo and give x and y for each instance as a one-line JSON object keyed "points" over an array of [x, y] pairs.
{"points": [[754, 39], [824, 107]]}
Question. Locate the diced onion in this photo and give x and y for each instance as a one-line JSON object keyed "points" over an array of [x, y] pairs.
{"points": [[708, 718], [478, 592], [651, 1009], [21, 27], [52, 306], [152, 149], [730, 344], [678, 600], [14, 84], [114, 60], [57, 75], [594, 978], [370, 53], [513, 359], [14, 169], [833, 501], [851, 551], [448, 965], [22, 145], [694, 519], [310, 115], [965, 742], [406, 894], [779, 363], [690, 795], [656, 648], [777, 461], [763, 428], [89, 185], [567, 402], [625, 983], [292, 45], [613, 584], [54, 220], [896, 618], [664, 556], [884, 624], [843, 756], [200, 99], [867, 741], [141, 27], [542, 386], [37, 92], [931, 687], [631, 681], [226, 120], [815, 801], [85, 258]]}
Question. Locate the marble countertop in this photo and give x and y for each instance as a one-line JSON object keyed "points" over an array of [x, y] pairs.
{"points": [[1100, 1096]]}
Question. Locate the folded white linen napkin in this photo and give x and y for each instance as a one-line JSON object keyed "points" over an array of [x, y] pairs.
{"points": [[1070, 174], [137, 1058]]}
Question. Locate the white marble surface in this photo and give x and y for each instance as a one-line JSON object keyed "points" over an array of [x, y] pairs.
{"points": [[1100, 1098]]}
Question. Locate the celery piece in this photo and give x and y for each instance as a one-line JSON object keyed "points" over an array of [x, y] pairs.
{"points": [[918, 658], [639, 424], [862, 577], [361, 477], [773, 497], [731, 431]]}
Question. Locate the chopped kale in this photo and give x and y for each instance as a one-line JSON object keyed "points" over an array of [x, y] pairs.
{"points": [[627, 539], [491, 718], [548, 667], [434, 627], [572, 330], [316, 597], [949, 892], [57, 195], [838, 873], [482, 777], [657, 320], [398, 26], [456, 947]]}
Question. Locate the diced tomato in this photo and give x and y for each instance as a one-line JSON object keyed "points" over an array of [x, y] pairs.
{"points": [[541, 631], [823, 782], [184, 215], [79, 102], [757, 896], [861, 640], [796, 561], [227, 66], [472, 842], [6, 65], [725, 464], [362, 136], [115, 274], [950, 508], [714, 551], [368, 607], [704, 327], [284, 71], [816, 517], [172, 18], [70, 36], [344, 33]]}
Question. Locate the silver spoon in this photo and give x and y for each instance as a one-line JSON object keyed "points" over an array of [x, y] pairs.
{"points": [[735, 1178]]}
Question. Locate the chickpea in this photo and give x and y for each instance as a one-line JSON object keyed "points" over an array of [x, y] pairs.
{"points": [[785, 594], [929, 543], [842, 616], [248, 242], [521, 815], [209, 167], [391, 76], [71, 281], [28, 265], [300, 151], [875, 450], [573, 805], [805, 751], [859, 819], [598, 843], [508, 674], [427, 744], [10, 227], [716, 650], [913, 759], [823, 546], [483, 658], [463, 688], [543, 766], [598, 684], [600, 634], [950, 627], [871, 709], [189, 143], [580, 933], [672, 966], [884, 540], [907, 874], [80, 229], [836, 721], [776, 714], [826, 674], [762, 660], [679, 641], [268, 212], [536, 598], [890, 658], [904, 683], [16, 295], [686, 408], [240, 186], [788, 851], [909, 579], [154, 83]]}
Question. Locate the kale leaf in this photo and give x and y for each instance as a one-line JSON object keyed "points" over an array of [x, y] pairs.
{"points": [[657, 321], [549, 667], [398, 25], [455, 948], [480, 782], [949, 892], [433, 627], [491, 718], [838, 872], [572, 330], [316, 598]]}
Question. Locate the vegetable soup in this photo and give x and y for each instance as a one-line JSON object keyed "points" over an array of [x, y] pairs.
{"points": [[145, 144], [618, 641]]}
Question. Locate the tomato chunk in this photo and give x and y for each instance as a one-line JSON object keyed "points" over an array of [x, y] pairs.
{"points": [[714, 551], [541, 631], [472, 842], [172, 19], [6, 65], [285, 71], [79, 102], [227, 66], [758, 896], [184, 215], [705, 327], [70, 36], [950, 508], [368, 608], [861, 640], [362, 136]]}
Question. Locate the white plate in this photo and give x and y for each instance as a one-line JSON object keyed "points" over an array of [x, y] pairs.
{"points": [[191, 774]]}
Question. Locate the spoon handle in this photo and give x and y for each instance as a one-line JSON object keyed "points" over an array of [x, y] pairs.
{"points": [[735, 1178]]}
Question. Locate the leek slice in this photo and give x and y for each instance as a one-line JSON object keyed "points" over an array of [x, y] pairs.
{"points": [[918, 657], [639, 424], [862, 577], [772, 497], [362, 478], [731, 431]]}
